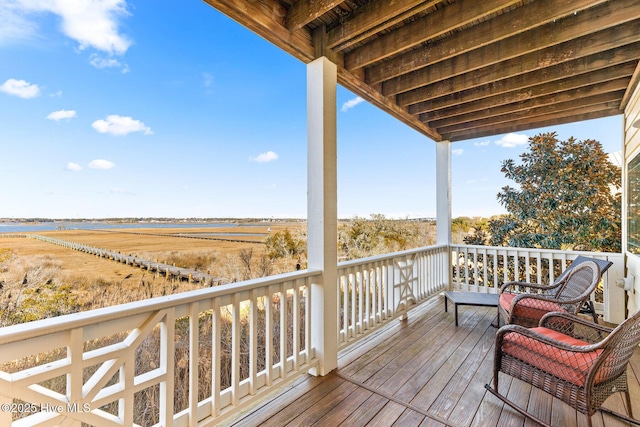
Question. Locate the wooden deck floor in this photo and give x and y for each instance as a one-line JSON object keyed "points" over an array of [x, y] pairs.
{"points": [[423, 372]]}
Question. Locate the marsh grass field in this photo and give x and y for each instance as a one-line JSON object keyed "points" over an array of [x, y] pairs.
{"points": [[62, 276]]}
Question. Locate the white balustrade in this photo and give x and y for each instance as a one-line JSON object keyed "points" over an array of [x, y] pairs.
{"points": [[196, 357], [177, 360], [486, 268], [377, 289]]}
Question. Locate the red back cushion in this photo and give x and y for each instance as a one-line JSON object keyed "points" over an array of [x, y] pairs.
{"points": [[529, 308]]}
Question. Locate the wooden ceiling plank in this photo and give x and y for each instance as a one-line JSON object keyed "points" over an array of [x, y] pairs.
{"points": [[566, 30], [531, 108], [375, 30], [624, 57], [378, 14], [304, 11], [603, 77], [455, 16], [448, 81], [266, 18], [520, 126], [536, 115]]}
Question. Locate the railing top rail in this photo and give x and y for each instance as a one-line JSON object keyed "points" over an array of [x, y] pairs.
{"points": [[541, 251], [77, 320], [392, 255]]}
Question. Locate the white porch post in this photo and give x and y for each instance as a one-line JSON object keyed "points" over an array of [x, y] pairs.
{"points": [[322, 211], [443, 192], [443, 201]]}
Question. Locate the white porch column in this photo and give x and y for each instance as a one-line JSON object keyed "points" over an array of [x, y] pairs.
{"points": [[443, 203], [443, 192], [322, 211]]}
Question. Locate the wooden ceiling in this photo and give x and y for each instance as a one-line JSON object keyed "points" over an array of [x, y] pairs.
{"points": [[461, 69]]}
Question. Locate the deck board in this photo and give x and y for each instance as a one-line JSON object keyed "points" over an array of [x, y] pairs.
{"points": [[363, 415], [388, 415], [424, 371]]}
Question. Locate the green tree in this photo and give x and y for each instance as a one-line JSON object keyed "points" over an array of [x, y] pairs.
{"points": [[568, 197]]}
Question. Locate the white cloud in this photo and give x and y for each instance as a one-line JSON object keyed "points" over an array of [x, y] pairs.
{"points": [[482, 143], [351, 103], [511, 140], [102, 164], [120, 125], [61, 114], [73, 167], [269, 156], [457, 151], [91, 23], [20, 88], [100, 62]]}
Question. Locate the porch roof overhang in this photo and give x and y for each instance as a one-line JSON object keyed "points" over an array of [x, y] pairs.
{"points": [[461, 69]]}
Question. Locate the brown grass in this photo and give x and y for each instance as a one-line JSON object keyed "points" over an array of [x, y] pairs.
{"points": [[99, 282], [145, 244]]}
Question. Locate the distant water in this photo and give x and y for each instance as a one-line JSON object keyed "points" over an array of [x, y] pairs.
{"points": [[11, 227]]}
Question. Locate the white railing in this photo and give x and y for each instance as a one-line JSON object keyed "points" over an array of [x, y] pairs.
{"points": [[486, 268], [191, 358], [372, 291], [196, 357], [173, 361]]}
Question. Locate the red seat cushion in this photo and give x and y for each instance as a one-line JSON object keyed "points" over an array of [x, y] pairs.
{"points": [[569, 365], [529, 308]]}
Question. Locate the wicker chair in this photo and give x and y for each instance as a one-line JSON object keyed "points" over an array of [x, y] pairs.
{"points": [[525, 303], [573, 359]]}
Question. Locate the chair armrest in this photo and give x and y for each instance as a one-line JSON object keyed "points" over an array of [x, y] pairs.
{"points": [[536, 286], [566, 323]]}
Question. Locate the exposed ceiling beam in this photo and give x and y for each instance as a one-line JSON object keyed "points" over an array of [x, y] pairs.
{"points": [[459, 69], [483, 108], [304, 11], [543, 122], [595, 94], [378, 15], [579, 48], [536, 120], [528, 90], [421, 30], [400, 75]]}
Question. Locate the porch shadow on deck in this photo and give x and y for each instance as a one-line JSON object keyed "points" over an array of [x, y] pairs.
{"points": [[423, 371]]}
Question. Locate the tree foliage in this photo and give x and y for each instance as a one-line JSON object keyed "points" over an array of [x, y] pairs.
{"points": [[567, 197], [283, 244], [362, 237]]}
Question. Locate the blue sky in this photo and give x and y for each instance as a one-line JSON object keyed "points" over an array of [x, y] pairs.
{"points": [[113, 108]]}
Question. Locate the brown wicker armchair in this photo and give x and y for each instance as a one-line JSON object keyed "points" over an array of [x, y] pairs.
{"points": [[525, 303], [579, 362]]}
